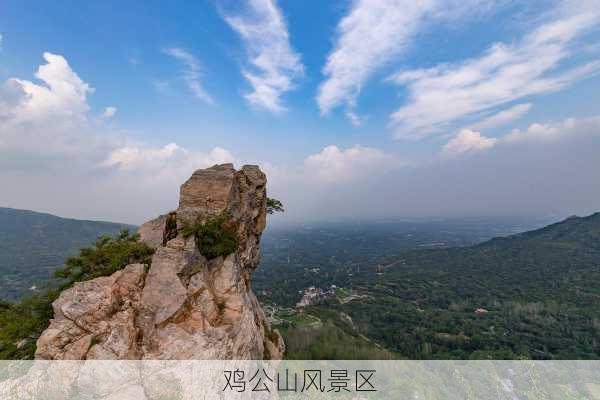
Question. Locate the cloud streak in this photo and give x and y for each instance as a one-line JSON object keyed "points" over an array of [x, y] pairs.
{"points": [[503, 74], [373, 33], [192, 73], [503, 117], [274, 65]]}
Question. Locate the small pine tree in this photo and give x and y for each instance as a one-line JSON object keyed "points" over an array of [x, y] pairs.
{"points": [[274, 205]]}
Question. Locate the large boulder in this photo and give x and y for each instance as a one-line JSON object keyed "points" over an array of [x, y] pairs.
{"points": [[185, 305]]}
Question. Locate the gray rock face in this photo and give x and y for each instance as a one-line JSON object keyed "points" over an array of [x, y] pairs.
{"points": [[182, 306]]}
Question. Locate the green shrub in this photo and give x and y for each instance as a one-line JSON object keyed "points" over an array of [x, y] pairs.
{"points": [[108, 256], [214, 237], [22, 323], [274, 205]]}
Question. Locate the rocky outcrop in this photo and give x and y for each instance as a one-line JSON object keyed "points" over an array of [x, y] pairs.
{"points": [[185, 305]]}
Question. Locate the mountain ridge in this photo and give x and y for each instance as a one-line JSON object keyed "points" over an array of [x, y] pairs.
{"points": [[560, 229], [526, 295], [41, 242]]}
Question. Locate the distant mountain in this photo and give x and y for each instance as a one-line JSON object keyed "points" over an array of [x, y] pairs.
{"points": [[578, 231], [560, 261], [33, 244], [537, 294], [530, 295]]}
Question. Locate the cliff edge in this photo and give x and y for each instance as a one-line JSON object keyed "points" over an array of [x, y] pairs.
{"points": [[194, 300]]}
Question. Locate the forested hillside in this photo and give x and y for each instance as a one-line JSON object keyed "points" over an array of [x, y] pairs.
{"points": [[531, 295], [33, 245], [406, 290]]}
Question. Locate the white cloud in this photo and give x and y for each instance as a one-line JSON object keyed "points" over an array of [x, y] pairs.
{"points": [[505, 73], [537, 133], [63, 95], [335, 164], [354, 118], [109, 112], [52, 118], [373, 33], [275, 64], [55, 156], [552, 131], [192, 73], [503, 117], [172, 161], [11, 96], [46, 118], [468, 141]]}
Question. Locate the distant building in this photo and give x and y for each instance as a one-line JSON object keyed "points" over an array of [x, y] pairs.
{"points": [[481, 311], [313, 295]]}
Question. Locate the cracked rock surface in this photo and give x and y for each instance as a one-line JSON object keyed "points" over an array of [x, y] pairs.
{"points": [[182, 306]]}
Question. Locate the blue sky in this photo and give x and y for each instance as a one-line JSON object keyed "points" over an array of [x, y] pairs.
{"points": [[349, 99]]}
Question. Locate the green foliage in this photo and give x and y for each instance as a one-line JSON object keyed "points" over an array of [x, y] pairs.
{"points": [[108, 256], [330, 340], [274, 205], [214, 237], [541, 289], [22, 323]]}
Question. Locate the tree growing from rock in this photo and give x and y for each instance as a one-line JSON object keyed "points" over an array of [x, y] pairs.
{"points": [[274, 205]]}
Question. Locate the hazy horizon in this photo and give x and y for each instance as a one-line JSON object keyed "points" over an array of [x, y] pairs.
{"points": [[449, 109], [281, 221]]}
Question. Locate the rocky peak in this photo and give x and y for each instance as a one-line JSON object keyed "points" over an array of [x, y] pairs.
{"points": [[194, 301]]}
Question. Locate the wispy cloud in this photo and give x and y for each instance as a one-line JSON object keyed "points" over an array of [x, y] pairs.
{"points": [[502, 117], [505, 73], [373, 33], [354, 118], [274, 64], [192, 72]]}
